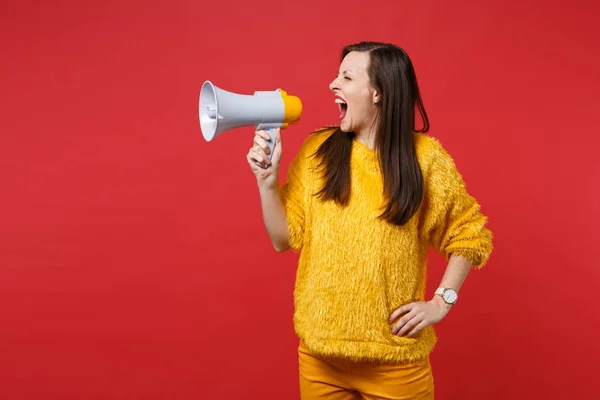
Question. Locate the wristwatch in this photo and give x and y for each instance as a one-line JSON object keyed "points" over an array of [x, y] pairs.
{"points": [[449, 295]]}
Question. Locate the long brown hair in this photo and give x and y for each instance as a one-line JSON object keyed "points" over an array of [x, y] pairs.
{"points": [[392, 74]]}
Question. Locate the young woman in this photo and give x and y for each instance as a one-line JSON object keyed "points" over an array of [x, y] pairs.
{"points": [[362, 203]]}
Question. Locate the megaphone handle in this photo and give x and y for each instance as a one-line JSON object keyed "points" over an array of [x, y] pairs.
{"points": [[272, 133]]}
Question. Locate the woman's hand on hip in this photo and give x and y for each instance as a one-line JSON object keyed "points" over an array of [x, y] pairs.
{"points": [[418, 315]]}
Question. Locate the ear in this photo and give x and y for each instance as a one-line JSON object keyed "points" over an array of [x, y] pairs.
{"points": [[376, 97]]}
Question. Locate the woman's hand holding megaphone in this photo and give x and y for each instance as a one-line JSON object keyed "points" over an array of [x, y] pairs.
{"points": [[264, 166]]}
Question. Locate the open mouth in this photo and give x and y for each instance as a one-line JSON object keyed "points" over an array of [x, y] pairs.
{"points": [[342, 105]]}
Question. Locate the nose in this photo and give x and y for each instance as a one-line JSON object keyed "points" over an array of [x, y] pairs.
{"points": [[334, 85]]}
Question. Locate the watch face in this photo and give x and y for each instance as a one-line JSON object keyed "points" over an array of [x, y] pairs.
{"points": [[450, 296]]}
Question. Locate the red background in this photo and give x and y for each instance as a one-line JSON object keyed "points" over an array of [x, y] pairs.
{"points": [[133, 260]]}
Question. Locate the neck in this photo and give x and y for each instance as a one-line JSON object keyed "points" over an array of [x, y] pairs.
{"points": [[366, 137]]}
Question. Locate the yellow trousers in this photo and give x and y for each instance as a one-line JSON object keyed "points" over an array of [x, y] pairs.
{"points": [[337, 379]]}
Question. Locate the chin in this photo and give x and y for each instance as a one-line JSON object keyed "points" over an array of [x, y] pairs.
{"points": [[345, 127]]}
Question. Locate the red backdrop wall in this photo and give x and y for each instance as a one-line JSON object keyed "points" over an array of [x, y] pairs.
{"points": [[133, 260]]}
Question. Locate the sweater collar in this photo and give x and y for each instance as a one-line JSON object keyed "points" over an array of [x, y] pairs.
{"points": [[365, 156]]}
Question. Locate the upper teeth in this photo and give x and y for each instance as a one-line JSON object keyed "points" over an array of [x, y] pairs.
{"points": [[340, 101]]}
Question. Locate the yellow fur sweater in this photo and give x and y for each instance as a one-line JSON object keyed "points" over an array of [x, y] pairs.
{"points": [[356, 269]]}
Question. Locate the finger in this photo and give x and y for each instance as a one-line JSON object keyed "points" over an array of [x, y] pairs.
{"points": [[411, 324], [255, 157], [260, 142], [252, 161], [401, 310], [278, 135], [263, 134], [417, 328], [262, 154], [277, 149], [402, 321]]}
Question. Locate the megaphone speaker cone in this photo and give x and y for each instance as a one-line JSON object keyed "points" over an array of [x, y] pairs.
{"points": [[208, 111]]}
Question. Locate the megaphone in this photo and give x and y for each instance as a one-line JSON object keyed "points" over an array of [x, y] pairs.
{"points": [[220, 111]]}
